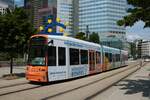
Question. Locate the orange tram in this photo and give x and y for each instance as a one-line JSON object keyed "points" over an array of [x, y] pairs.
{"points": [[53, 58]]}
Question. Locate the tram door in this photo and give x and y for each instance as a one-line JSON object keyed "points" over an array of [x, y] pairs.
{"points": [[91, 61]]}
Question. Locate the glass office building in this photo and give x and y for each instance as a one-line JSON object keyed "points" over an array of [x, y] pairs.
{"points": [[60, 8], [10, 3], [101, 16], [4, 4], [64, 12]]}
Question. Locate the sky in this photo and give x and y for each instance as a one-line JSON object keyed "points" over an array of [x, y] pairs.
{"points": [[19, 2], [135, 32]]}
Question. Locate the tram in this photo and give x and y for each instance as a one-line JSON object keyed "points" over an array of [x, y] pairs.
{"points": [[53, 58]]}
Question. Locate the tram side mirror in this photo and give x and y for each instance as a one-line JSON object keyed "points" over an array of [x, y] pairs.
{"points": [[51, 42]]}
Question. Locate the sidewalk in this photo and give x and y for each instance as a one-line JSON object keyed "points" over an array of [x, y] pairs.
{"points": [[16, 69], [134, 87]]}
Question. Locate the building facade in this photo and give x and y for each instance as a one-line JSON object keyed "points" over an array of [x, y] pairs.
{"points": [[62, 9], [64, 12], [145, 49], [33, 6], [101, 17], [4, 4]]}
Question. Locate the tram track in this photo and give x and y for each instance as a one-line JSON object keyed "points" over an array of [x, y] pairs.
{"points": [[28, 87], [7, 93], [12, 85], [15, 88], [97, 93], [88, 84]]}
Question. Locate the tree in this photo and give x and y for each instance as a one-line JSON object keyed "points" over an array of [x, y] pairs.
{"points": [[81, 36], [133, 49], [139, 11], [15, 30], [94, 37]]}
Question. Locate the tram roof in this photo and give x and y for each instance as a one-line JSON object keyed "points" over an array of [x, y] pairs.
{"points": [[64, 38]]}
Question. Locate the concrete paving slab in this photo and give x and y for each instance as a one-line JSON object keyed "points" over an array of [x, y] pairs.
{"points": [[134, 87]]}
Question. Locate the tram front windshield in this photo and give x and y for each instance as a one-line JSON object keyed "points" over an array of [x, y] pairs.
{"points": [[37, 53]]}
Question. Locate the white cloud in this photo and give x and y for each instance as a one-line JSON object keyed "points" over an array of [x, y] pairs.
{"points": [[133, 36], [137, 31]]}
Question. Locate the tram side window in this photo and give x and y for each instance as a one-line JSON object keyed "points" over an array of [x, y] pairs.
{"points": [[84, 56], [110, 57], [107, 55], [98, 57], [74, 56], [61, 56], [51, 56], [117, 57], [113, 58]]}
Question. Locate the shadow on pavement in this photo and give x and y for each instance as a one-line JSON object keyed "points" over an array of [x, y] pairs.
{"points": [[136, 86], [13, 76], [21, 75]]}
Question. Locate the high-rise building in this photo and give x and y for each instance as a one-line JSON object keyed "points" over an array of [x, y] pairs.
{"points": [[4, 4], [101, 16], [64, 12], [145, 49], [33, 6], [62, 9], [98, 16]]}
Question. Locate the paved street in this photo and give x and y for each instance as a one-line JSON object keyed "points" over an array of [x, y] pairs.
{"points": [[134, 87], [81, 89], [16, 69]]}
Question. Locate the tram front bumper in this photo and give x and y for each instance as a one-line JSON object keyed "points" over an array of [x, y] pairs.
{"points": [[38, 74]]}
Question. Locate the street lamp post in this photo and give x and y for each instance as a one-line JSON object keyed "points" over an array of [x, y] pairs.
{"points": [[87, 31]]}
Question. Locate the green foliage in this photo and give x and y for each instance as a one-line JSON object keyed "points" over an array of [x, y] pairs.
{"points": [[15, 30], [94, 37], [140, 11], [133, 49], [81, 36], [4, 56]]}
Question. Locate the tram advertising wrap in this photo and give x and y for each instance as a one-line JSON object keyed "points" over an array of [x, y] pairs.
{"points": [[53, 58]]}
